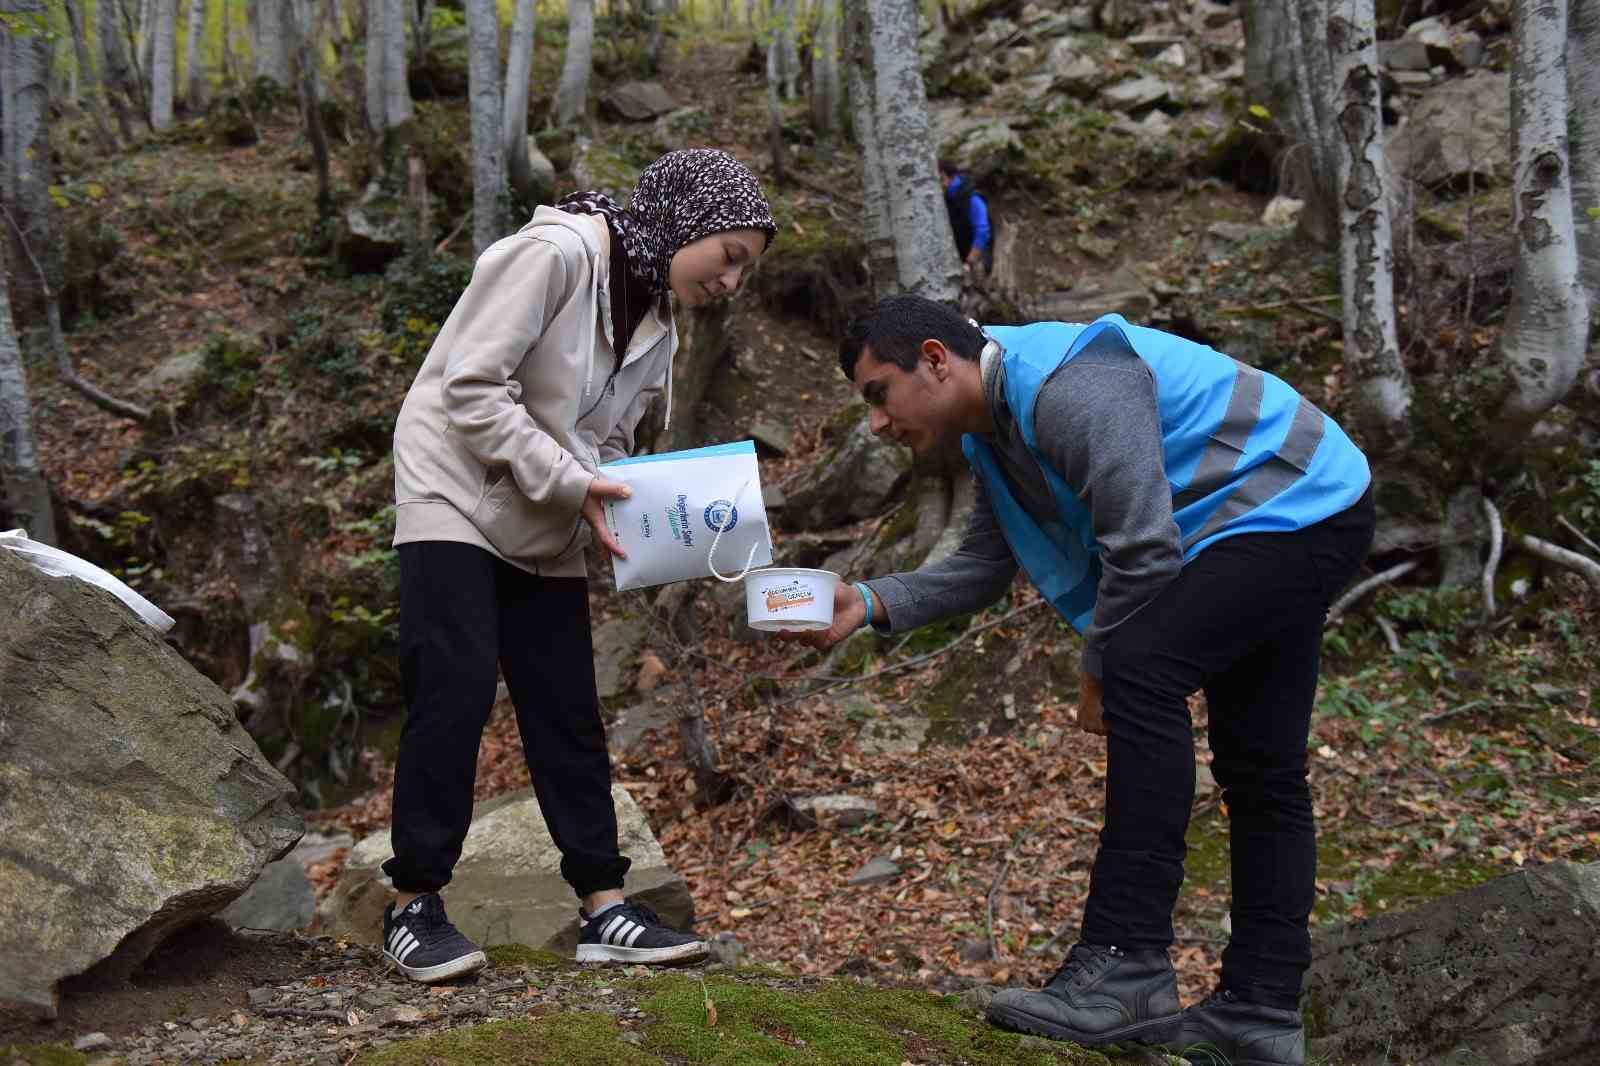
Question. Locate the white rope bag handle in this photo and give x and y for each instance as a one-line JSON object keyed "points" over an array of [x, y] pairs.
{"points": [[727, 520]]}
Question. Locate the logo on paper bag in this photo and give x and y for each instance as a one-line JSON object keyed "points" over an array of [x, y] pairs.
{"points": [[721, 515], [794, 594]]}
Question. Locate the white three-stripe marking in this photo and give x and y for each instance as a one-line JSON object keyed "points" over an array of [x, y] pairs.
{"points": [[638, 929]]}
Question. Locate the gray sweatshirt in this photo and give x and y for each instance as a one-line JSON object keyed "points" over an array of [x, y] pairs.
{"points": [[1098, 427]]}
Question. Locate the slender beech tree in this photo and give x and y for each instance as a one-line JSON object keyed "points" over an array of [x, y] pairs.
{"points": [[488, 145], [114, 73], [1583, 90], [195, 84], [825, 70], [163, 62], [1547, 323], [1382, 392], [22, 482], [514, 129], [389, 110], [572, 92], [93, 86], [906, 211], [303, 24], [774, 107], [272, 47]]}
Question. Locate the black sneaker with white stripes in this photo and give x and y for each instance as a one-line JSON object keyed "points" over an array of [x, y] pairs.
{"points": [[632, 932], [421, 941]]}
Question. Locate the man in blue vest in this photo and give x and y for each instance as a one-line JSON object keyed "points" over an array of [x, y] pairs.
{"points": [[1193, 518], [969, 218]]}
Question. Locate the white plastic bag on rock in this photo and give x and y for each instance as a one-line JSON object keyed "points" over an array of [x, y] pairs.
{"points": [[680, 502], [57, 563]]}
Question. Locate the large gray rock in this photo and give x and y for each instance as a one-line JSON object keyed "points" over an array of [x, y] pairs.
{"points": [[616, 649], [507, 888], [375, 231], [175, 375], [636, 101], [1506, 974], [1122, 291], [281, 899], [1071, 71], [856, 479], [1135, 94], [132, 803], [1462, 127]]}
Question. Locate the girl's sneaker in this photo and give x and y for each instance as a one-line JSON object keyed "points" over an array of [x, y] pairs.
{"points": [[421, 941], [632, 932]]}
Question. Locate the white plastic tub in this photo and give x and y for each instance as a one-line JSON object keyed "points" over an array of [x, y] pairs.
{"points": [[789, 597]]}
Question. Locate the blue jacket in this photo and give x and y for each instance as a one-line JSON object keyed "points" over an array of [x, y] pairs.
{"points": [[1243, 453]]}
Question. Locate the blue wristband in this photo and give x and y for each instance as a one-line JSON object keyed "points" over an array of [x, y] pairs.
{"points": [[866, 595]]}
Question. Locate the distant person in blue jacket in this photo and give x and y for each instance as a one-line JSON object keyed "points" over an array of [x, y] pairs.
{"points": [[969, 218], [1193, 518]]}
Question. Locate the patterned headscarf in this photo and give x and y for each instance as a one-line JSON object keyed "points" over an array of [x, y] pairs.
{"points": [[680, 198]]}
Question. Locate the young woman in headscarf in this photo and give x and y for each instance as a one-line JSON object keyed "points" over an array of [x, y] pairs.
{"points": [[541, 373]]}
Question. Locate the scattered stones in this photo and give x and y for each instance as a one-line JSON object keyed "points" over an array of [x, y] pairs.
{"points": [[876, 872], [771, 433], [1173, 58], [172, 378], [91, 1042], [1135, 94], [1282, 211], [637, 101], [1098, 247]]}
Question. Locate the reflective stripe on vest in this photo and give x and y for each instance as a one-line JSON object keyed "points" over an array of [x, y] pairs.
{"points": [[1243, 452]]}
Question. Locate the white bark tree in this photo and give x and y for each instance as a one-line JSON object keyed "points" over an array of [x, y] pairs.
{"points": [[1547, 323], [194, 93], [572, 92], [93, 87], [897, 141], [22, 482], [788, 37], [114, 74], [163, 63], [825, 70], [274, 34], [488, 145], [519, 70], [774, 107], [1382, 391], [1583, 89], [880, 234], [388, 94]]}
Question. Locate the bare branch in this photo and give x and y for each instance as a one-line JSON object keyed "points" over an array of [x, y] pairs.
{"points": [[1496, 543], [1394, 573], [58, 339], [1588, 568], [1576, 532]]}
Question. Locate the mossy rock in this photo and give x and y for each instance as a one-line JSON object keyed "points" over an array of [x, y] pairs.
{"points": [[440, 74], [230, 123]]}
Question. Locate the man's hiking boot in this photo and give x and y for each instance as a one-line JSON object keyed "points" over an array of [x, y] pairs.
{"points": [[632, 932], [421, 941], [1224, 1030], [1099, 996]]}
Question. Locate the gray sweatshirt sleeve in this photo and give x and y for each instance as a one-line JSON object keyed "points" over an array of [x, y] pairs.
{"points": [[1097, 424], [971, 578]]}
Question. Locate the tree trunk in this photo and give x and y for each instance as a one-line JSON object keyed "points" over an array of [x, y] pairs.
{"points": [[880, 234], [573, 91], [146, 38], [163, 63], [825, 72], [93, 87], [789, 49], [25, 105], [22, 483], [925, 249], [228, 72], [113, 65], [303, 23], [1547, 322], [519, 71], [1583, 88], [1371, 342], [194, 93], [388, 95], [774, 108], [273, 34], [488, 156]]}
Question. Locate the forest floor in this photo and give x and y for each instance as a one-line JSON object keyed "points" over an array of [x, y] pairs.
{"points": [[1467, 754]]}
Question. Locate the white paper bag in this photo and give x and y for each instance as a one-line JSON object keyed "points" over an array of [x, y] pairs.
{"points": [[680, 502], [57, 563]]}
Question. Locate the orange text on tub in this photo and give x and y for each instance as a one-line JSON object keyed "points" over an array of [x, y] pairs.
{"points": [[786, 596]]}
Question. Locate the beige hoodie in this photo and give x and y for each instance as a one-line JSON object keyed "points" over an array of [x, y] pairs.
{"points": [[510, 414]]}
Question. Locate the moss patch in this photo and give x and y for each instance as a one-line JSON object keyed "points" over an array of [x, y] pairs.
{"points": [[41, 1055], [593, 1039], [839, 1022], [522, 955]]}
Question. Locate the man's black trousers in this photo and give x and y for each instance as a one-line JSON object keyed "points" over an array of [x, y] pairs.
{"points": [[1243, 622], [462, 613]]}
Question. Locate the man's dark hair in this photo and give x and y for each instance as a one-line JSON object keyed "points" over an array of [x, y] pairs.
{"points": [[948, 168], [896, 326]]}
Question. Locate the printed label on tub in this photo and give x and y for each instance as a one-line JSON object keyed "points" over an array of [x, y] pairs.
{"points": [[789, 594]]}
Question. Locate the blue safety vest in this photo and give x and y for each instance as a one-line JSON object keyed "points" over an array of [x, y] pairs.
{"points": [[1244, 453]]}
